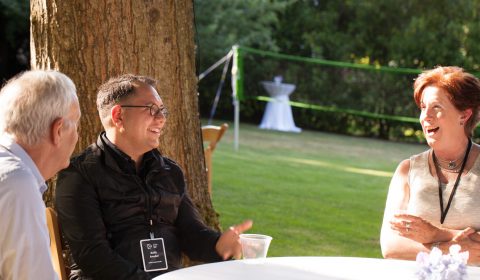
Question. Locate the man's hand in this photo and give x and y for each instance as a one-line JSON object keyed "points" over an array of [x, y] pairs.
{"points": [[228, 245]]}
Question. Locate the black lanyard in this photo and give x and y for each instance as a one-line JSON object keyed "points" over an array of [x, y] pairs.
{"points": [[443, 213]]}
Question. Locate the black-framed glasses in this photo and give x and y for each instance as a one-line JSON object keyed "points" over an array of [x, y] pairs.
{"points": [[155, 111]]}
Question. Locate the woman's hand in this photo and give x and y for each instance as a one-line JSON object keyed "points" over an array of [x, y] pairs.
{"points": [[418, 229], [469, 240]]}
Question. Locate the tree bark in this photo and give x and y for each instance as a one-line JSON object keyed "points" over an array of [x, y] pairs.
{"points": [[93, 40]]}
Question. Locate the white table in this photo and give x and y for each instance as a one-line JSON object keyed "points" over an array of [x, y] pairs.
{"points": [[300, 268], [278, 112]]}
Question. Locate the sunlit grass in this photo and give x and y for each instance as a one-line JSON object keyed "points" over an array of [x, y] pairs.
{"points": [[314, 193]]}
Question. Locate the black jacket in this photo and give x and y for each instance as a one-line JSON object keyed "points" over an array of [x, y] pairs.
{"points": [[104, 211]]}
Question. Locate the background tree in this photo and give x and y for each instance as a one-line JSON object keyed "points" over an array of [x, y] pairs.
{"points": [[14, 50], [410, 34], [93, 40], [222, 24], [413, 34]]}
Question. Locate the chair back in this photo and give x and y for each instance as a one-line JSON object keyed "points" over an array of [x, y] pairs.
{"points": [[55, 243], [211, 136]]}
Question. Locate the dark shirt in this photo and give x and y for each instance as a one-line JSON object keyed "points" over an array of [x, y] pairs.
{"points": [[105, 208]]}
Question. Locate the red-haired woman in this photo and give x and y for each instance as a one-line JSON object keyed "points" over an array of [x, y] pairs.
{"points": [[434, 197]]}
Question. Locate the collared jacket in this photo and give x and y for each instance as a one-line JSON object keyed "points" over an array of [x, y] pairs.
{"points": [[104, 211]]}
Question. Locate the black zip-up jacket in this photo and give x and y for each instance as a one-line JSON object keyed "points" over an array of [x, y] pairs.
{"points": [[104, 209]]}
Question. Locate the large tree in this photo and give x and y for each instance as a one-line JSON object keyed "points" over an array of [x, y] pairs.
{"points": [[92, 40]]}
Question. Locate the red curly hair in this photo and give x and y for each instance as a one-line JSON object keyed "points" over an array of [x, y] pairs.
{"points": [[463, 90]]}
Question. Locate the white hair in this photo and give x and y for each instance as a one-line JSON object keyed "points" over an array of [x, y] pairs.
{"points": [[31, 101]]}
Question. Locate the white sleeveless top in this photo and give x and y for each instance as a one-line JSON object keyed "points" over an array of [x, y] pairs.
{"points": [[424, 200]]}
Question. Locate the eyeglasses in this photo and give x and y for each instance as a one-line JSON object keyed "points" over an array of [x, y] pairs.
{"points": [[155, 111]]}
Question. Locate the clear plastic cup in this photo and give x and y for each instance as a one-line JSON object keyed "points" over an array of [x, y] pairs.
{"points": [[255, 247]]}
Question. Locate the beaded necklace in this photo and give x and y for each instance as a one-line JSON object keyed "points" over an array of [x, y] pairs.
{"points": [[444, 212]]}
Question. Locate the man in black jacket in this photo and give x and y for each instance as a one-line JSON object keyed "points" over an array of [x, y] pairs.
{"points": [[123, 207]]}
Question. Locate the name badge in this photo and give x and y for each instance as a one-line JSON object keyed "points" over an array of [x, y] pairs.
{"points": [[153, 254]]}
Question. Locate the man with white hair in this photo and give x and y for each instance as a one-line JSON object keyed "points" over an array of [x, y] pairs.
{"points": [[39, 115]]}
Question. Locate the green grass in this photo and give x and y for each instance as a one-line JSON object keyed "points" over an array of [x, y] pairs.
{"points": [[316, 194]]}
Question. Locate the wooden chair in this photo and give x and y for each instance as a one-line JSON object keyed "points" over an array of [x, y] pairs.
{"points": [[211, 135], [56, 243]]}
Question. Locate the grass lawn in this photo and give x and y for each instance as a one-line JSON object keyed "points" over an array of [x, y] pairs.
{"points": [[316, 194]]}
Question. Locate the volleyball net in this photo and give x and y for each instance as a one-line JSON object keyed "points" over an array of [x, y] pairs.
{"points": [[351, 98]]}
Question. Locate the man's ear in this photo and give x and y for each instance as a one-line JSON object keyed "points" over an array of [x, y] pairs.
{"points": [[56, 130], [466, 115], [116, 115]]}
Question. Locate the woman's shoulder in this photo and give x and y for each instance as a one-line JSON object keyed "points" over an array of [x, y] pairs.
{"points": [[419, 160], [422, 155], [416, 160], [475, 151], [474, 162], [406, 163], [403, 167]]}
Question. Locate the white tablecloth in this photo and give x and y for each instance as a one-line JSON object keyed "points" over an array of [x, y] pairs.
{"points": [[278, 113], [300, 268]]}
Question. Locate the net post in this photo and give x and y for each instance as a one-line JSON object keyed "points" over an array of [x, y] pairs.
{"points": [[237, 92]]}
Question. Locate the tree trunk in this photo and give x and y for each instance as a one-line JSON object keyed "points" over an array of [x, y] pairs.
{"points": [[92, 40]]}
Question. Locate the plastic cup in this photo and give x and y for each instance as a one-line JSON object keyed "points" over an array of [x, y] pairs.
{"points": [[255, 247]]}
